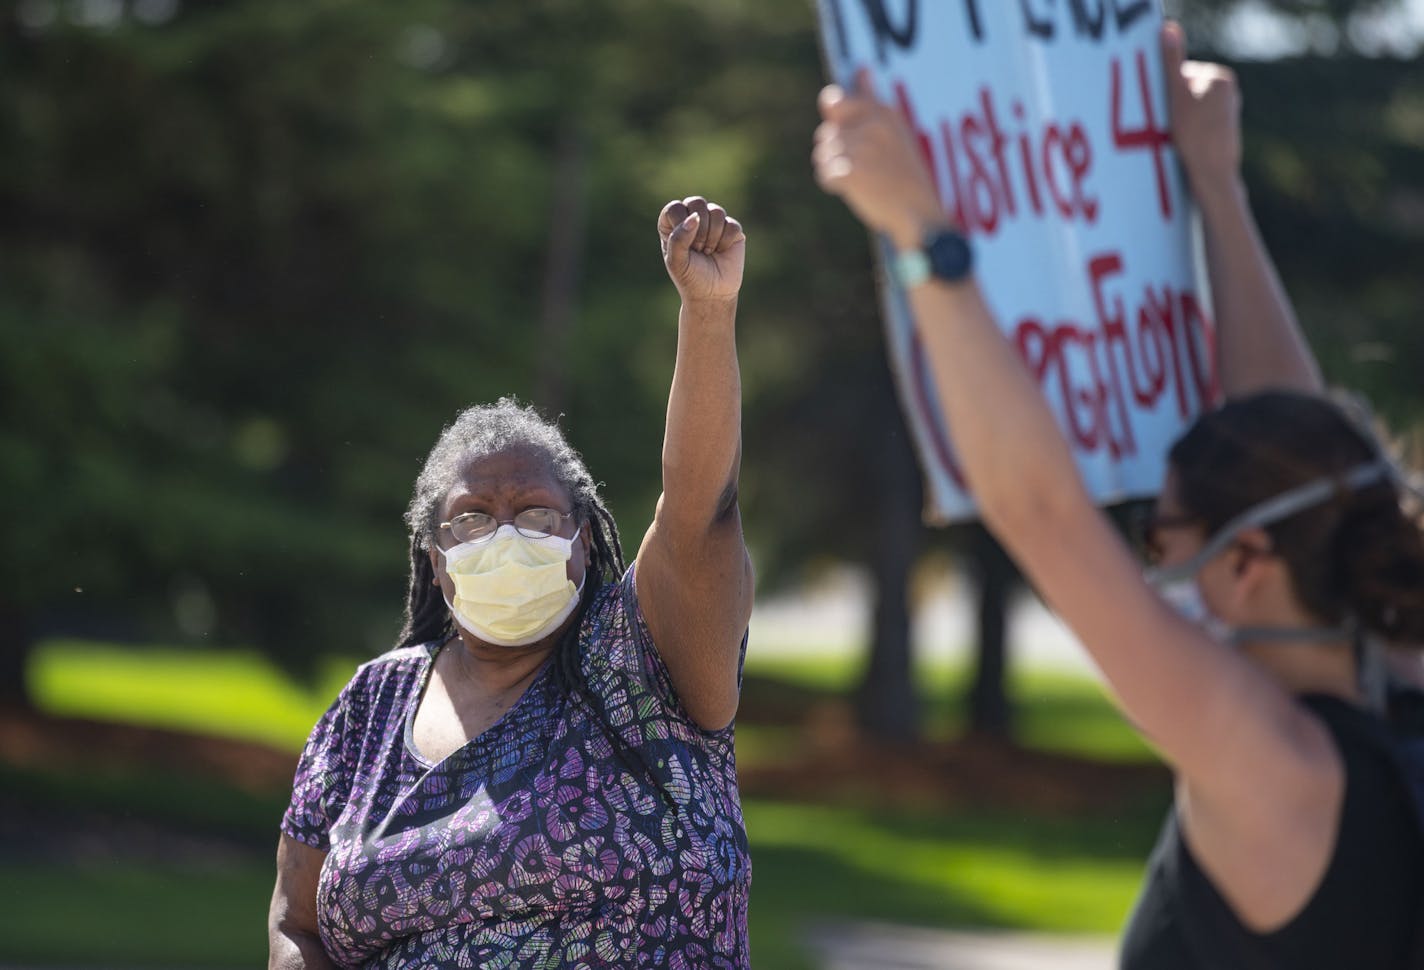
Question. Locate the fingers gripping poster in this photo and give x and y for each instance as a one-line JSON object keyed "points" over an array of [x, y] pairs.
{"points": [[1044, 124]]}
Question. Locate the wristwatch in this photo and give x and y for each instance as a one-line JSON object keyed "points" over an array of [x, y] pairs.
{"points": [[946, 256]]}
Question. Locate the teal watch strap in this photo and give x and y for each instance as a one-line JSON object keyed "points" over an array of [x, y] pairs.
{"points": [[911, 267]]}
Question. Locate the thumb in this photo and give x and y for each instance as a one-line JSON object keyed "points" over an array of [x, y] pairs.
{"points": [[1174, 54], [680, 239], [864, 87]]}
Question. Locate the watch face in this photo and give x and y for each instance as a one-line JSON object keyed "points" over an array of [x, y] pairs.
{"points": [[950, 257]]}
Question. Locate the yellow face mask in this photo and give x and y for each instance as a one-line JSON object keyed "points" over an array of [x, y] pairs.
{"points": [[512, 590]]}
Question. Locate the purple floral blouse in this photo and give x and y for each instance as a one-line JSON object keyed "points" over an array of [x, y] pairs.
{"points": [[541, 843]]}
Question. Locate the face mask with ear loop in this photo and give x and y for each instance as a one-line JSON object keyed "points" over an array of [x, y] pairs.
{"points": [[1178, 584], [511, 589]]}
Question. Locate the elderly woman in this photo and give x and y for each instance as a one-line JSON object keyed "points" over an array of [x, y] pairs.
{"points": [[541, 774], [1279, 536]]}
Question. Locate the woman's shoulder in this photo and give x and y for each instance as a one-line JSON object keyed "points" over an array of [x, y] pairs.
{"points": [[396, 671], [613, 608], [619, 660], [1357, 732], [398, 659]]}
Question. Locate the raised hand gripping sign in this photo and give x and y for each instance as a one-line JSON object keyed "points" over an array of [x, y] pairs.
{"points": [[1044, 124]]}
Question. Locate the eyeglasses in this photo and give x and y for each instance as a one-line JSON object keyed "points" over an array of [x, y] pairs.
{"points": [[535, 523], [1147, 522], [1278, 508]]}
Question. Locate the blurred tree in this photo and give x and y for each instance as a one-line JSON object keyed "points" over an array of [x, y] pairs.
{"points": [[1329, 26], [996, 580], [254, 254], [1335, 162]]}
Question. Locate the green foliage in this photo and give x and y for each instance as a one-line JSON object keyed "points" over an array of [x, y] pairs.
{"points": [[1329, 25], [258, 254], [1335, 161], [255, 255]]}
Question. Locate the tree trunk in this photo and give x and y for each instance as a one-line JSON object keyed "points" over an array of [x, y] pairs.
{"points": [[16, 644], [888, 706], [563, 266], [990, 712]]}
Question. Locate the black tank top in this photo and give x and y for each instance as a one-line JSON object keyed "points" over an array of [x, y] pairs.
{"points": [[1365, 913]]}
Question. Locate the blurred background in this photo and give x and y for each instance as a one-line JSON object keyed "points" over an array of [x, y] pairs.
{"points": [[254, 254]]}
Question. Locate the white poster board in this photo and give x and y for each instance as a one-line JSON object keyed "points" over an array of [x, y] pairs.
{"points": [[1044, 123]]}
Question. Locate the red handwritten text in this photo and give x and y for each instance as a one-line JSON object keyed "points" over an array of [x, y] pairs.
{"points": [[994, 171], [1140, 347]]}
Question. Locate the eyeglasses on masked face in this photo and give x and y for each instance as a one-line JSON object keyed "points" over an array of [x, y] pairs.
{"points": [[1145, 525], [535, 523], [1272, 510]]}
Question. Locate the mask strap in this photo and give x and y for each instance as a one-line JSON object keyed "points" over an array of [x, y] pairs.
{"points": [[1373, 670], [1371, 667], [1407, 483], [1272, 510], [1283, 634]]}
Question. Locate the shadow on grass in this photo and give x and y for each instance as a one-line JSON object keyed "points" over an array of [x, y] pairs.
{"points": [[118, 915], [793, 889], [815, 865]]}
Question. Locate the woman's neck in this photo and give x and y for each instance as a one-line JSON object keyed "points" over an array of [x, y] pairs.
{"points": [[1309, 666], [497, 669]]}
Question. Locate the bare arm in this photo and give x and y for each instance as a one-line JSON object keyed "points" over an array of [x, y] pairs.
{"points": [[694, 574], [1228, 729], [293, 943], [1259, 344]]}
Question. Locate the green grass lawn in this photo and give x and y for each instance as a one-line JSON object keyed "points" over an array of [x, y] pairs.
{"points": [[811, 863], [115, 915], [235, 694], [242, 695]]}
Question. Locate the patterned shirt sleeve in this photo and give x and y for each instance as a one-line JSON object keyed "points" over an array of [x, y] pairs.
{"points": [[323, 780], [627, 652]]}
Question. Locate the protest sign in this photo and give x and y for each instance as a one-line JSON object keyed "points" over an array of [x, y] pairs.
{"points": [[1044, 124]]}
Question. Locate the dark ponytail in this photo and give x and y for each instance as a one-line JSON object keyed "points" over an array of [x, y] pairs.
{"points": [[1379, 555]]}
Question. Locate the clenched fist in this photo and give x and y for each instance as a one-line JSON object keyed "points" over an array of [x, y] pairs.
{"points": [[704, 250]]}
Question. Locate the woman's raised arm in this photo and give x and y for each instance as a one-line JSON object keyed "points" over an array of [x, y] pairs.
{"points": [[1259, 343], [1218, 719], [694, 575]]}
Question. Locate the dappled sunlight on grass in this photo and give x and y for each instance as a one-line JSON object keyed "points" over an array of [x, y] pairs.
{"points": [[815, 862], [236, 694]]}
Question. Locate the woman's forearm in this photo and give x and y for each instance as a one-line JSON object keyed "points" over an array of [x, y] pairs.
{"points": [[694, 577], [1259, 343], [292, 937], [703, 439], [977, 374]]}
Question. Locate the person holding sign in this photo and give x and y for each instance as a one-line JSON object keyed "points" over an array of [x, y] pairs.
{"points": [[1249, 655], [541, 773]]}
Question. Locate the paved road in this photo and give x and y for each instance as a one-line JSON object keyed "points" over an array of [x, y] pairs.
{"points": [[877, 946]]}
